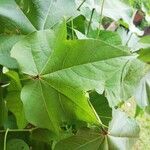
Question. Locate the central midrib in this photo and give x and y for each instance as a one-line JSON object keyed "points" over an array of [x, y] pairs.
{"points": [[43, 75], [43, 26], [49, 115], [69, 99]]}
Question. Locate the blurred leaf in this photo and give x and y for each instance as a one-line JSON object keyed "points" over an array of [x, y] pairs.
{"points": [[142, 93], [37, 145], [115, 10], [6, 43], [17, 144], [79, 24], [138, 111], [14, 103], [3, 109], [42, 135], [144, 55], [130, 39], [10, 123], [107, 36], [145, 39]]}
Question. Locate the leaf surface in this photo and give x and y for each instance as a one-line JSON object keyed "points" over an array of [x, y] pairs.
{"points": [[17, 144], [62, 71], [13, 101], [18, 18], [28, 15], [101, 106], [122, 134], [142, 96]]}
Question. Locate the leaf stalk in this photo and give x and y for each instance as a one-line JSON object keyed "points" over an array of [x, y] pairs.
{"points": [[81, 5], [88, 29], [101, 15]]}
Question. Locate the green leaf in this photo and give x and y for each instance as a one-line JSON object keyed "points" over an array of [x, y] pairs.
{"points": [[13, 101], [79, 23], [1, 140], [13, 19], [107, 36], [60, 77], [10, 123], [17, 144], [144, 55], [101, 106], [23, 17], [28, 15], [145, 39], [14, 104], [142, 93], [15, 84], [36, 145], [122, 134], [6, 43], [3, 109], [7, 61], [42, 135]]}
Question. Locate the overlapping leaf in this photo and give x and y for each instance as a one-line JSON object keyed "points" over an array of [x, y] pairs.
{"points": [[62, 71], [143, 89], [101, 106], [145, 39], [115, 10], [28, 15], [6, 43], [132, 40], [17, 144], [121, 135], [13, 101], [19, 18], [142, 92], [144, 54], [3, 109], [88, 5], [109, 37]]}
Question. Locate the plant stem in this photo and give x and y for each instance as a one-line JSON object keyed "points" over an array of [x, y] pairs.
{"points": [[90, 21], [18, 130], [5, 138], [101, 15], [24, 79], [104, 132], [81, 5], [72, 29], [129, 39]]}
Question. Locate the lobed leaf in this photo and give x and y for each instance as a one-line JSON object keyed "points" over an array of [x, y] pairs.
{"points": [[62, 71], [122, 134]]}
